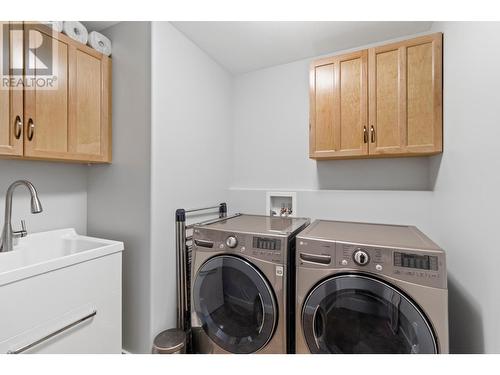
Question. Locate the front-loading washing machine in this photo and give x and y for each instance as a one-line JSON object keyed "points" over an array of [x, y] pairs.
{"points": [[242, 286], [370, 288]]}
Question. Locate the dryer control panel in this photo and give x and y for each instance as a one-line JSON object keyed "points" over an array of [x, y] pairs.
{"points": [[424, 267]]}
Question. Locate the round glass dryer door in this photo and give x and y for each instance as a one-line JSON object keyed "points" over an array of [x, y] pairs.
{"points": [[235, 304], [360, 314]]}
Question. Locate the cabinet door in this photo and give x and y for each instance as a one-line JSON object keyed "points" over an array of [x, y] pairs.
{"points": [[89, 104], [70, 119], [11, 92], [46, 106], [405, 94], [338, 106]]}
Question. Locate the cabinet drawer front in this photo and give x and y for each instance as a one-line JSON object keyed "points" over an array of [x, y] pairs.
{"points": [[93, 328], [43, 298]]}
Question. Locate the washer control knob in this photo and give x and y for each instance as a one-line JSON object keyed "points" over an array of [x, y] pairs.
{"points": [[344, 262], [361, 257], [378, 267], [231, 242]]}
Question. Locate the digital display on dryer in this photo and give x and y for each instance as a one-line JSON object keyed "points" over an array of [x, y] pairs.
{"points": [[266, 243], [420, 262]]}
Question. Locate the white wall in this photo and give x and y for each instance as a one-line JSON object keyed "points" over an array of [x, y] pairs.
{"points": [[453, 197], [119, 194], [404, 207], [171, 136], [62, 189], [466, 203], [270, 148], [270, 143], [191, 133]]}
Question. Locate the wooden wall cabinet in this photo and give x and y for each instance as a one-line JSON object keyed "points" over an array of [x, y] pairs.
{"points": [[382, 102], [72, 120]]}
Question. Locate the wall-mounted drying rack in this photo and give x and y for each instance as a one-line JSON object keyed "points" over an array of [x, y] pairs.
{"points": [[184, 244]]}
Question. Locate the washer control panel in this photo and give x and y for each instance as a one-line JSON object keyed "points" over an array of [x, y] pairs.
{"points": [[262, 247], [367, 258], [267, 248]]}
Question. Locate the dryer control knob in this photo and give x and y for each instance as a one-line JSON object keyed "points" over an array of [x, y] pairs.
{"points": [[231, 242], [361, 257]]}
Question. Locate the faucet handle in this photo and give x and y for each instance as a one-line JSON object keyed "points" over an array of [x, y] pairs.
{"points": [[23, 232]]}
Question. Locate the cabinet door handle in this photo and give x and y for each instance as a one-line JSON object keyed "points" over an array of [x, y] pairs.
{"points": [[18, 127], [365, 135], [55, 333], [31, 129], [372, 133]]}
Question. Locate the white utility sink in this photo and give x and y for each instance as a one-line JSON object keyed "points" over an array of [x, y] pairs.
{"points": [[60, 292], [46, 251]]}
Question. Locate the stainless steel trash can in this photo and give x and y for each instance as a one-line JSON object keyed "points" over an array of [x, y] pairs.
{"points": [[171, 341]]}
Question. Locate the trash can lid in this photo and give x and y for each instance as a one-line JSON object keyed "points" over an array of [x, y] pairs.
{"points": [[169, 341]]}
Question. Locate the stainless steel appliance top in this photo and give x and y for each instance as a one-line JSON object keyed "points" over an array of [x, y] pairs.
{"points": [[257, 224], [400, 236]]}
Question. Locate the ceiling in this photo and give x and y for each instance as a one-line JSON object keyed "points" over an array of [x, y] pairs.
{"points": [[98, 25], [242, 47]]}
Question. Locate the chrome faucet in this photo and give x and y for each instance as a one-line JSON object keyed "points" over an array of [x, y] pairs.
{"points": [[36, 207]]}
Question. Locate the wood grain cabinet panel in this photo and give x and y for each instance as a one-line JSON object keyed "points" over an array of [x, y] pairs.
{"points": [[338, 106], [323, 136], [46, 108], [68, 119], [382, 102], [406, 97], [88, 104], [90, 131], [387, 130], [423, 90], [11, 97]]}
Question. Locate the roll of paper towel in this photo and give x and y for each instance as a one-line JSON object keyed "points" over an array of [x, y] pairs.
{"points": [[56, 25], [75, 30], [100, 43]]}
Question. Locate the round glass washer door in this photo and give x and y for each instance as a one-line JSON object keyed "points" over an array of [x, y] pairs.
{"points": [[361, 314], [235, 304]]}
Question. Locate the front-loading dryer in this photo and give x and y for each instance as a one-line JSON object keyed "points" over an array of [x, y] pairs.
{"points": [[242, 287], [370, 288]]}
